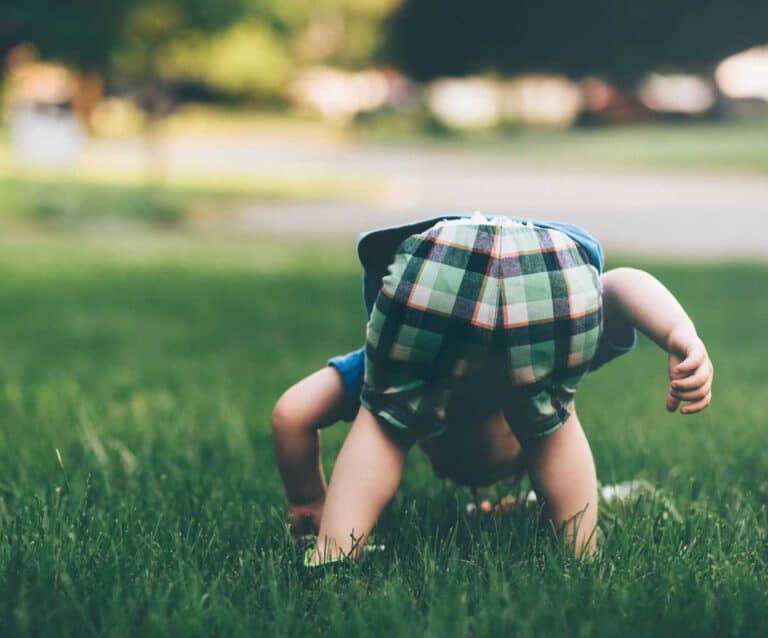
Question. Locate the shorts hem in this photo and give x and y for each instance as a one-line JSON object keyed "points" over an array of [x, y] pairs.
{"points": [[389, 418], [396, 423], [551, 426]]}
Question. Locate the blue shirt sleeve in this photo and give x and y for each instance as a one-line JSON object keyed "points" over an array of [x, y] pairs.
{"points": [[351, 367]]}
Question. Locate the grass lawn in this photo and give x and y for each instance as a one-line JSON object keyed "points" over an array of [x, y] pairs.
{"points": [[728, 147], [150, 364], [86, 194], [731, 146], [68, 199]]}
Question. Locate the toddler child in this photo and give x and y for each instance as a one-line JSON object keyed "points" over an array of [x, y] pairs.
{"points": [[479, 332]]}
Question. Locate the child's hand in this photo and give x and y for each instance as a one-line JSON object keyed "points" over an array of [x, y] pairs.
{"points": [[304, 520], [690, 372]]}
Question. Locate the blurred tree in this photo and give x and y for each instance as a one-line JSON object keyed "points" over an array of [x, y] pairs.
{"points": [[147, 31], [87, 34], [150, 27], [346, 33], [620, 40], [243, 47], [79, 32], [125, 40], [247, 59]]}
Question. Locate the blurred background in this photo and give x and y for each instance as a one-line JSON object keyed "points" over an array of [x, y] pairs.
{"points": [[181, 184], [269, 117]]}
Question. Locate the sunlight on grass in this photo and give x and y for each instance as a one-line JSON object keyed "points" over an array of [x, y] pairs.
{"points": [[731, 147], [40, 195], [201, 120], [47, 253]]}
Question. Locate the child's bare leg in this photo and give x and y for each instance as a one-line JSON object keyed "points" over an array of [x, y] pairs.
{"points": [[366, 475], [296, 419], [563, 475]]}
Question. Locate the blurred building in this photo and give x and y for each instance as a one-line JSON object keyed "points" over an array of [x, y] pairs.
{"points": [[47, 107], [677, 93], [744, 78], [341, 95]]}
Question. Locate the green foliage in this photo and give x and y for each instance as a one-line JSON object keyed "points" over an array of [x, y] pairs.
{"points": [[87, 34], [245, 59], [152, 25], [240, 47], [620, 40], [354, 26], [151, 365], [78, 32], [251, 46]]}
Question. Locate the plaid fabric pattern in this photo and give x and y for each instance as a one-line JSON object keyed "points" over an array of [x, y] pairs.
{"points": [[514, 304]]}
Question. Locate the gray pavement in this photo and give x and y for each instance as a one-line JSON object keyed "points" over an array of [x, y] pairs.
{"points": [[671, 215], [691, 216]]}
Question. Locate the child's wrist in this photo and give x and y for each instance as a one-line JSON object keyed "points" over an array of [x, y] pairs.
{"points": [[683, 333]]}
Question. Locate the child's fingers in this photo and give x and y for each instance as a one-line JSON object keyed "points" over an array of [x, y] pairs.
{"points": [[692, 408], [696, 380], [693, 360], [672, 402], [695, 394]]}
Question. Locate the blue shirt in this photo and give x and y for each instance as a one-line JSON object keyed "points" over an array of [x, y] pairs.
{"points": [[376, 250]]}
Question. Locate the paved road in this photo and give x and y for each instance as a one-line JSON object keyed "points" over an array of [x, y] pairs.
{"points": [[685, 234], [667, 215], [685, 215]]}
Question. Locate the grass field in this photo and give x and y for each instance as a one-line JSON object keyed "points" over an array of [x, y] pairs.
{"points": [[738, 147], [731, 146], [724, 148], [62, 199], [138, 495]]}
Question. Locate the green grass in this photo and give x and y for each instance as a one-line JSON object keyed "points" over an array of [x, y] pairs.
{"points": [[731, 146], [66, 199], [724, 147], [70, 201], [151, 365]]}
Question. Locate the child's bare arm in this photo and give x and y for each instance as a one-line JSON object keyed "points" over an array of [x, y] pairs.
{"points": [[296, 420], [634, 298]]}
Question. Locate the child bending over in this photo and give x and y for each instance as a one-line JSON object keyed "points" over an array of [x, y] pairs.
{"points": [[480, 330]]}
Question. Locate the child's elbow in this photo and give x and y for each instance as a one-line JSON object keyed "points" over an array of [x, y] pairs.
{"points": [[621, 274], [286, 417], [623, 279]]}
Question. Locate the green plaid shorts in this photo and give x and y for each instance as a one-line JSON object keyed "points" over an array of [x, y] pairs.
{"points": [[478, 315]]}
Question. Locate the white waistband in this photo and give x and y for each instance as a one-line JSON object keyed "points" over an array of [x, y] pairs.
{"points": [[478, 218]]}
